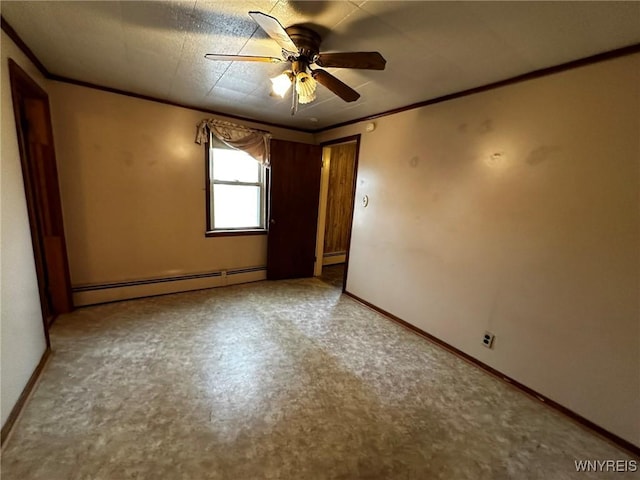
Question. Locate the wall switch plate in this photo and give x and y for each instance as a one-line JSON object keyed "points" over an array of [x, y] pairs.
{"points": [[487, 339]]}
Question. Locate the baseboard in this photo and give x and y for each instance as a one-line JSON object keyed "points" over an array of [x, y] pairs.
{"points": [[93, 294], [606, 434], [24, 396], [333, 258]]}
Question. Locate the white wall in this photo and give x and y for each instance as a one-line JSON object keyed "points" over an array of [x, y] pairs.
{"points": [[540, 247], [132, 183], [21, 327]]}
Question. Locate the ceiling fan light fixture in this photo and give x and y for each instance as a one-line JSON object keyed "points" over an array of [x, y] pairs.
{"points": [[306, 87], [281, 84], [300, 46]]}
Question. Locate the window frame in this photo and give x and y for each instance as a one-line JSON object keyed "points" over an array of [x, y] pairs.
{"points": [[263, 184]]}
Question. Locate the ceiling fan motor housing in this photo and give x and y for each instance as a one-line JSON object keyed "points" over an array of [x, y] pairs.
{"points": [[307, 41]]}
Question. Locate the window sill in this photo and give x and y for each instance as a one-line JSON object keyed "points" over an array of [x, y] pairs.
{"points": [[234, 233]]}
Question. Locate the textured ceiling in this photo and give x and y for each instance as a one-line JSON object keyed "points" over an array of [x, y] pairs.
{"points": [[432, 48]]}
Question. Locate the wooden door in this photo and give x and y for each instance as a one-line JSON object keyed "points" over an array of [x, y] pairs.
{"points": [[293, 210], [39, 171], [340, 199]]}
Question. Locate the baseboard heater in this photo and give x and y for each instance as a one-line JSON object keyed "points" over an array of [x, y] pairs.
{"points": [[334, 258], [334, 254], [90, 294]]}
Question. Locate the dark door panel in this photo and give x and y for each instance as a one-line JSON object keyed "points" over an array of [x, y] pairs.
{"points": [[293, 212]]}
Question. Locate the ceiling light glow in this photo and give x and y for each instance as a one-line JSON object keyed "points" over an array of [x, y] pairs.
{"points": [[281, 84]]}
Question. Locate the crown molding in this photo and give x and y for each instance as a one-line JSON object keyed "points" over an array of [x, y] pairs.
{"points": [[543, 72]]}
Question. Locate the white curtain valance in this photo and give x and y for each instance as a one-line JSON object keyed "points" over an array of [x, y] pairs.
{"points": [[255, 142]]}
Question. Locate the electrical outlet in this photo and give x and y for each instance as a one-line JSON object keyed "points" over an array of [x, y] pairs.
{"points": [[487, 339]]}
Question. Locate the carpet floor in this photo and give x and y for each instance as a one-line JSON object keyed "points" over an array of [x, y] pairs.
{"points": [[277, 380]]}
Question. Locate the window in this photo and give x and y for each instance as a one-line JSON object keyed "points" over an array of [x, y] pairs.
{"points": [[236, 192]]}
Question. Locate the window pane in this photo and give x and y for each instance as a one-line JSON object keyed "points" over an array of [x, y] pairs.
{"points": [[236, 206], [234, 165]]}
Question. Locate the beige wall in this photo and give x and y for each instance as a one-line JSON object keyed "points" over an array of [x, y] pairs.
{"points": [[21, 328], [132, 184], [540, 247]]}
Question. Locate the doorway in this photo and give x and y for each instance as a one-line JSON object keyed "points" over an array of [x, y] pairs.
{"points": [[335, 216], [44, 207]]}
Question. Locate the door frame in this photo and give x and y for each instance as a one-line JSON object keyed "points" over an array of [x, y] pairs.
{"points": [[321, 229], [24, 87]]}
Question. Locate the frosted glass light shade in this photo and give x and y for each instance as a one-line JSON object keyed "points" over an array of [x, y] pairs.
{"points": [[306, 87]]}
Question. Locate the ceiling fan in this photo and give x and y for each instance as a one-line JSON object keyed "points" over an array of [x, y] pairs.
{"points": [[301, 47]]}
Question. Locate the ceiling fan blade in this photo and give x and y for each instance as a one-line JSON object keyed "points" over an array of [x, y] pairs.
{"points": [[341, 89], [241, 58], [273, 28], [364, 60]]}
